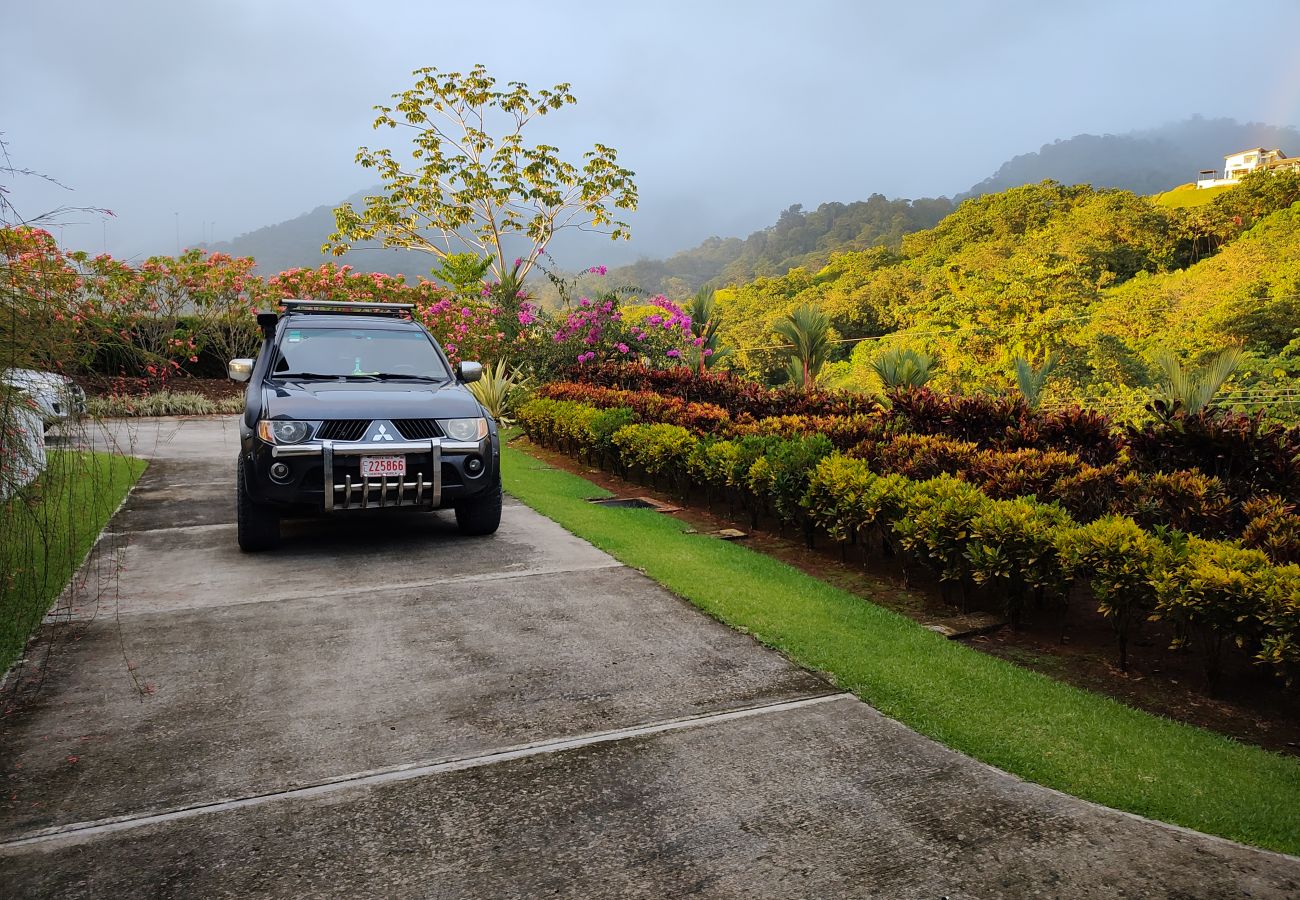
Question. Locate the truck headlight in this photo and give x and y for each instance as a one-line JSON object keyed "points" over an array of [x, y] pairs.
{"points": [[464, 429], [276, 431]]}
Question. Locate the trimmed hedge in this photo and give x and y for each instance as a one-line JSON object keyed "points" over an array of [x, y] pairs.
{"points": [[1217, 595], [1187, 499]]}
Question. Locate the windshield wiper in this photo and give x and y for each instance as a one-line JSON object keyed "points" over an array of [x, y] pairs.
{"points": [[406, 376], [320, 375]]}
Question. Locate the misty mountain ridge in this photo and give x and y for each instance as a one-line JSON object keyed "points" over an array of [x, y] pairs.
{"points": [[1146, 162]]}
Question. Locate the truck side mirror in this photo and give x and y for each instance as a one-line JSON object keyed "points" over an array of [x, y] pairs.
{"points": [[469, 371], [240, 369]]}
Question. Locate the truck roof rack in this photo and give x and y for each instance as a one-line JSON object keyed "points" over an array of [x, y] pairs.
{"points": [[347, 307]]}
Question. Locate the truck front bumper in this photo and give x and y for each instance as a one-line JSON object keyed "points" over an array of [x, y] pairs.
{"points": [[326, 475]]}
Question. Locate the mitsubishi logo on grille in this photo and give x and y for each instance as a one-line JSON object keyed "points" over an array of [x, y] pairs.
{"points": [[381, 434]]}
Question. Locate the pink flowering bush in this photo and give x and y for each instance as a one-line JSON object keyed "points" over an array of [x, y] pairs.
{"points": [[601, 330]]}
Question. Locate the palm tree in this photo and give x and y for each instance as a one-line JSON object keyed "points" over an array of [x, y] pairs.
{"points": [[900, 368], [1030, 380], [706, 319], [1193, 389], [809, 333]]}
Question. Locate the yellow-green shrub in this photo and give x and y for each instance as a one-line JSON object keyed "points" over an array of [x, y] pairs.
{"points": [[1122, 563]]}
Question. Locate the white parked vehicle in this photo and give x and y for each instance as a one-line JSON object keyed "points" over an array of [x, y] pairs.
{"points": [[58, 398]]}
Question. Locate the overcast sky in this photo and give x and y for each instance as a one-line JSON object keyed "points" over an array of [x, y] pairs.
{"points": [[221, 117]]}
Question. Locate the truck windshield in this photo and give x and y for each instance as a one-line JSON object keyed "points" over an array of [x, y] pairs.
{"points": [[342, 352]]}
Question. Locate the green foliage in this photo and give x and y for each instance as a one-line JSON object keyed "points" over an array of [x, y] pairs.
{"points": [[500, 390], [1258, 194], [1184, 499], [976, 530], [605, 424], [899, 368], [1122, 563], [1102, 280], [781, 475], [540, 417], [706, 319], [1191, 390], [1215, 593], [474, 180], [654, 449], [1013, 549], [809, 333], [1272, 526], [463, 272], [846, 499], [1031, 379], [162, 403], [937, 525], [1280, 646], [798, 238], [48, 529]]}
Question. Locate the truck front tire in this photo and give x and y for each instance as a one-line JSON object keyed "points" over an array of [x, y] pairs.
{"points": [[480, 514], [258, 526]]}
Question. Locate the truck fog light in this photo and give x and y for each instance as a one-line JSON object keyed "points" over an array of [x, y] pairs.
{"points": [[474, 466], [279, 471]]}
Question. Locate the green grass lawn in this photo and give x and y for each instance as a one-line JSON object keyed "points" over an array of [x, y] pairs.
{"points": [[1025, 723], [46, 531], [1185, 197]]}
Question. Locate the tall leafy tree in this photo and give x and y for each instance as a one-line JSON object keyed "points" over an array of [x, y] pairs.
{"points": [[469, 181], [809, 332]]}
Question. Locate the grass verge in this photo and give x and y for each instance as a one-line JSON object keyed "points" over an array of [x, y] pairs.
{"points": [[1017, 720], [45, 532]]}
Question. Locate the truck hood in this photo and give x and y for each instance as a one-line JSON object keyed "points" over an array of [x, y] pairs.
{"points": [[319, 400]]}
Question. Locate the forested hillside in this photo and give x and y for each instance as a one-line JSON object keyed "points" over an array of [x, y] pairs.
{"points": [[1101, 278], [797, 239], [296, 243], [1145, 162]]}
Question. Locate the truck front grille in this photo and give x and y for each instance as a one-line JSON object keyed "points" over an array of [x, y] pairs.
{"points": [[418, 429], [343, 429]]}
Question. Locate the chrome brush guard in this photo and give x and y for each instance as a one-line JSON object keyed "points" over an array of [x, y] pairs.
{"points": [[380, 493]]}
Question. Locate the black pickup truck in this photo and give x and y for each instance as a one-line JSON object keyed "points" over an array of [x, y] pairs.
{"points": [[354, 408]]}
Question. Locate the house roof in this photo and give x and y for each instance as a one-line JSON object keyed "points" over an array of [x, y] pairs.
{"points": [[1247, 150]]}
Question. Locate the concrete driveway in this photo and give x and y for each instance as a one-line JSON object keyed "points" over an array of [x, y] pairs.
{"points": [[391, 710]]}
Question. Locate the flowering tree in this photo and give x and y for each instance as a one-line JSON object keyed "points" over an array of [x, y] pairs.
{"points": [[473, 181], [99, 315]]}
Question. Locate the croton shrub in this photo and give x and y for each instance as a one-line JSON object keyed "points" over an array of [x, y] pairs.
{"points": [[1023, 551]]}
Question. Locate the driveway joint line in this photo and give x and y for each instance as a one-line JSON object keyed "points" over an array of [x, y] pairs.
{"points": [[81, 832], [478, 578]]}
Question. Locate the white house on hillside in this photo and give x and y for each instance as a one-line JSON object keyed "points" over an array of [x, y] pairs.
{"points": [[1238, 165]]}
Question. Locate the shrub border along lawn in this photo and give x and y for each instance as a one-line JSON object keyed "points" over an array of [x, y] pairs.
{"points": [[1019, 721], [48, 528]]}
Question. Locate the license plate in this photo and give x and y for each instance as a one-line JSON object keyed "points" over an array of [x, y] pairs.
{"points": [[383, 466]]}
